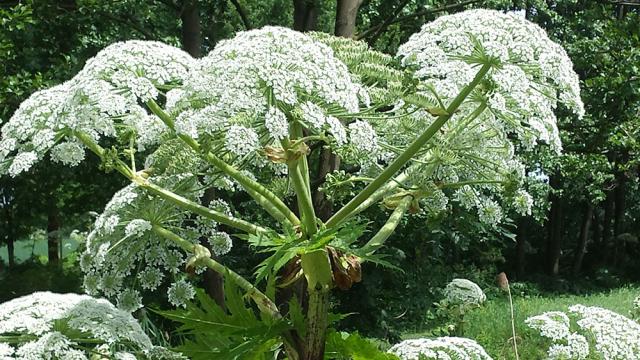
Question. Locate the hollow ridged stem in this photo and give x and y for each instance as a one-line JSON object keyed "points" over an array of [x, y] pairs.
{"points": [[389, 227], [304, 199], [406, 156], [299, 176]]}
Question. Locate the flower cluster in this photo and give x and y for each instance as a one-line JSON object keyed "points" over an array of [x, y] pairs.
{"points": [[54, 321], [615, 337], [535, 75], [464, 292], [249, 89], [553, 324], [556, 326], [102, 100], [476, 153], [124, 258], [443, 348]]}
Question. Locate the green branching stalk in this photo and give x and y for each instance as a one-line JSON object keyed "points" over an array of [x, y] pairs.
{"points": [[304, 198], [380, 193], [299, 175], [176, 199], [406, 156], [466, 122], [389, 227], [267, 199], [262, 301], [303, 163], [197, 208]]}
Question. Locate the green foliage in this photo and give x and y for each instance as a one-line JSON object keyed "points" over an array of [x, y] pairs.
{"points": [[351, 346], [491, 324], [32, 276], [233, 332]]}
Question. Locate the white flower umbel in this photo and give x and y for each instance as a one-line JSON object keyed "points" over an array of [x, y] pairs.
{"points": [[254, 85], [180, 293], [105, 95], [537, 72], [510, 112], [576, 348], [40, 315], [137, 227], [553, 324], [616, 337], [443, 348], [464, 292], [124, 258]]}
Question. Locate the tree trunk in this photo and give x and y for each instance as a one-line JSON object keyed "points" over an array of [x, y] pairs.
{"points": [[346, 16], [11, 238], [53, 235], [581, 249], [606, 228], [618, 224], [554, 243], [521, 240], [597, 231], [190, 16], [305, 15]]}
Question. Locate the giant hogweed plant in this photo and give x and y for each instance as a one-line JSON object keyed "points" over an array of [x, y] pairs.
{"points": [[441, 122]]}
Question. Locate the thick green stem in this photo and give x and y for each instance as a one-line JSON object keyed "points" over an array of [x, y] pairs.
{"points": [[176, 199], [197, 208], [299, 175], [389, 227], [380, 193], [267, 199], [262, 301], [304, 199], [406, 156], [317, 322]]}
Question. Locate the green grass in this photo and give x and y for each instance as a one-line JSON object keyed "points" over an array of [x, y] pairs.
{"points": [[491, 324]]}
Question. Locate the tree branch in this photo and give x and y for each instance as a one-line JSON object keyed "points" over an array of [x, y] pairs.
{"points": [[387, 22], [419, 13]]}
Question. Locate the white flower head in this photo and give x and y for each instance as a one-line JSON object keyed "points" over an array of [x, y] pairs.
{"points": [[276, 123], [22, 163], [464, 292], [41, 313], [442, 348], [68, 153], [137, 227], [181, 292], [241, 140]]}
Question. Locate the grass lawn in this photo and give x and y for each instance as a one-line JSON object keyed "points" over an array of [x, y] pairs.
{"points": [[491, 324]]}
